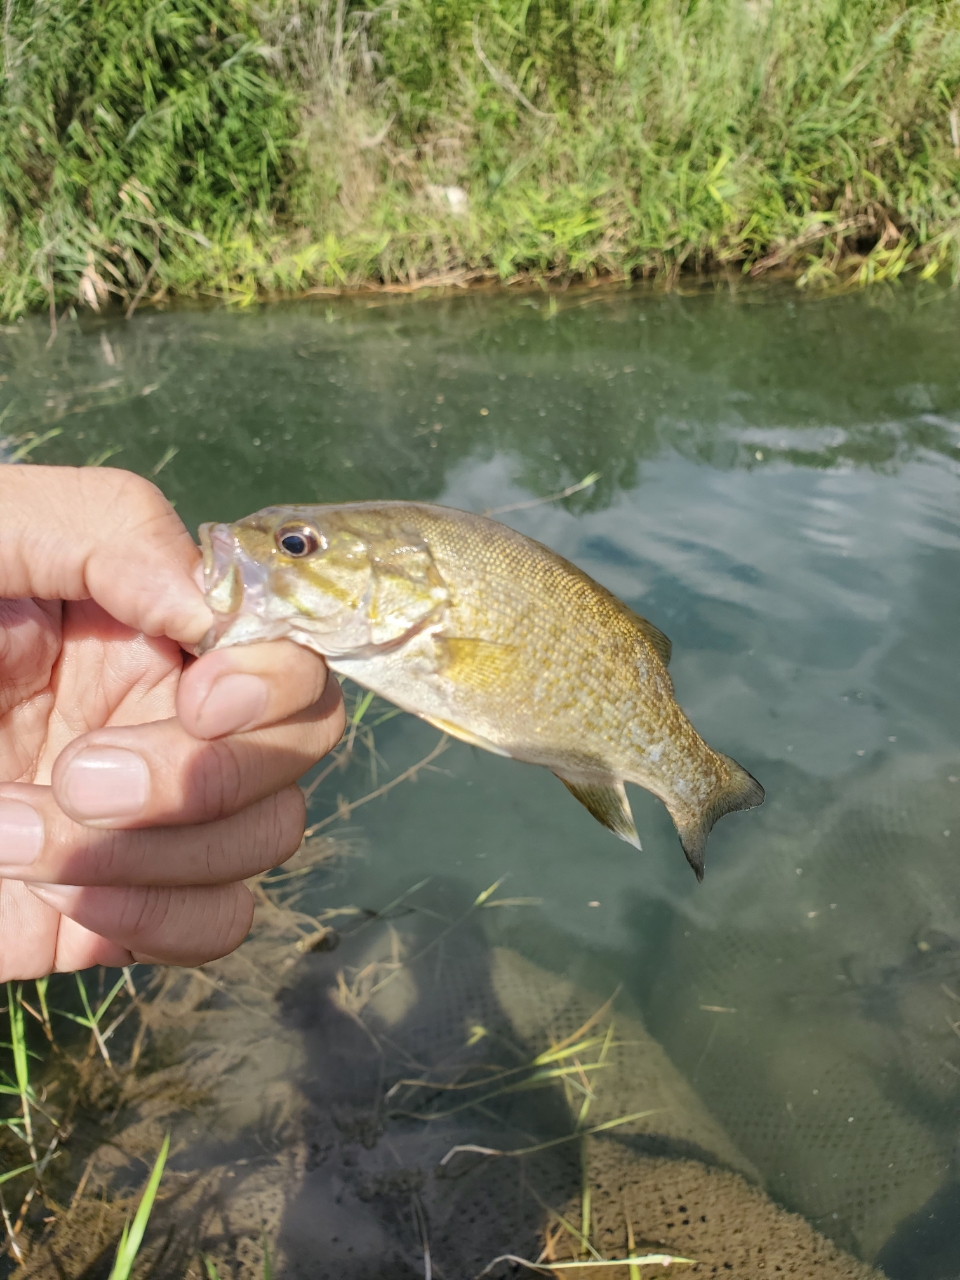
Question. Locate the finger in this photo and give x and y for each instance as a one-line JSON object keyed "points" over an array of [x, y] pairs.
{"points": [[185, 926], [75, 533], [35, 940], [80, 948], [157, 774], [244, 687], [54, 849]]}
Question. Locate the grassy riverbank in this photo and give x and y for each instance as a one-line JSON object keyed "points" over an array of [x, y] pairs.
{"points": [[159, 147]]}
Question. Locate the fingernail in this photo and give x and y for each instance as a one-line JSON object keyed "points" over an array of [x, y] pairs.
{"points": [[60, 896], [104, 782], [21, 834], [233, 703]]}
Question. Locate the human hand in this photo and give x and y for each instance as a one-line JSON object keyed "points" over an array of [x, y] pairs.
{"points": [[138, 787]]}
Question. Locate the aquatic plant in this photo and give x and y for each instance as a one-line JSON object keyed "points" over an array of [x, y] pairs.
{"points": [[49, 1078], [132, 1235], [175, 147], [32, 1135]]}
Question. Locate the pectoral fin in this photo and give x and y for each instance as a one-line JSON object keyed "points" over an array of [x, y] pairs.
{"points": [[608, 803], [482, 666]]}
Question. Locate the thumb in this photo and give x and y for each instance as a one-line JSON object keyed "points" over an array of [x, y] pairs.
{"points": [[78, 533]]}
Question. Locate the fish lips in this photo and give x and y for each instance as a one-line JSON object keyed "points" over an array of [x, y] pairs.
{"points": [[237, 589]]}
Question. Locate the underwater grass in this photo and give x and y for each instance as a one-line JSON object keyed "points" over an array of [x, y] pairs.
{"points": [[132, 1236], [50, 1078], [548, 1268], [151, 148], [37, 1128], [48, 1096]]}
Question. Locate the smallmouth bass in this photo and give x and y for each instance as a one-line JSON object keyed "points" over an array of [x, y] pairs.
{"points": [[486, 634]]}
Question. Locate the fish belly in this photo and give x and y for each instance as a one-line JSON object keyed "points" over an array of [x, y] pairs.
{"points": [[418, 692], [468, 689]]}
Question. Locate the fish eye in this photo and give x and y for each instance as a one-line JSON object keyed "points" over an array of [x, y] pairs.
{"points": [[298, 541]]}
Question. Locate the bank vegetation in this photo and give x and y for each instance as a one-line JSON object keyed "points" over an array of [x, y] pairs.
{"points": [[154, 148]]}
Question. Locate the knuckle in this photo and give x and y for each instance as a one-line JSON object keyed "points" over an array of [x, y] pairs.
{"points": [[135, 503], [280, 826], [235, 917], [114, 491], [139, 492], [83, 855], [338, 726], [107, 857], [298, 675], [222, 919], [255, 839], [332, 712], [292, 818], [219, 856], [219, 780], [142, 912], [319, 674]]}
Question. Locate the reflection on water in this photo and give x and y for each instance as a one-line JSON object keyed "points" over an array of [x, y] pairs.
{"points": [[778, 493]]}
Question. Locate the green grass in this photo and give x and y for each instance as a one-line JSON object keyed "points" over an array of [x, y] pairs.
{"points": [[132, 1236], [168, 146], [33, 1129]]}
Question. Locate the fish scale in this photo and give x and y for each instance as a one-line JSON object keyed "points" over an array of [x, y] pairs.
{"points": [[488, 635]]}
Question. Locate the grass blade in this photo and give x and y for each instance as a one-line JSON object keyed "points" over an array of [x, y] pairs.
{"points": [[132, 1237], [13, 1173], [21, 1063], [553, 1142], [547, 1268]]}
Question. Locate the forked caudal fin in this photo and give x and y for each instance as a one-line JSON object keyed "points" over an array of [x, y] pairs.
{"points": [[608, 803], [741, 791]]}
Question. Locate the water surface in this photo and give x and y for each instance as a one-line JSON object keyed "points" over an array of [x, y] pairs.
{"points": [[778, 492]]}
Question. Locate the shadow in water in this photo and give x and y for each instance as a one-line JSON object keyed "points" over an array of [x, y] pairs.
{"points": [[927, 1245], [410, 997]]}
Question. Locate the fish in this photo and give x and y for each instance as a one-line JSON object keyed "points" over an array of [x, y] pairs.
{"points": [[486, 634]]}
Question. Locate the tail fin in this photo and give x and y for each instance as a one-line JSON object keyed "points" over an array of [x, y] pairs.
{"points": [[739, 791]]}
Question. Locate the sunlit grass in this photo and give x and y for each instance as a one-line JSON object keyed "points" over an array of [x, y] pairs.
{"points": [[132, 1235], [150, 149]]}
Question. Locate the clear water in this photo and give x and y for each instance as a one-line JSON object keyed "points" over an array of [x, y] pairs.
{"points": [[778, 492]]}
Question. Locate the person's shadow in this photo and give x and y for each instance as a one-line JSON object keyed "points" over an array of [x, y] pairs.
{"points": [[926, 1246], [407, 998]]}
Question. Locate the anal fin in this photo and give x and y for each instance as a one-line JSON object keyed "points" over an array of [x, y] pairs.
{"points": [[608, 803]]}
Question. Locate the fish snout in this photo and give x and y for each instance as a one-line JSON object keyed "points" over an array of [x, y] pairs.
{"points": [[234, 586], [222, 581]]}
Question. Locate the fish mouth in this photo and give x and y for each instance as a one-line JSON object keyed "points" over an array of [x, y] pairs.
{"points": [[235, 587], [222, 582]]}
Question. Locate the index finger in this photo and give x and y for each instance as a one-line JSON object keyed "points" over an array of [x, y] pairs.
{"points": [[80, 533]]}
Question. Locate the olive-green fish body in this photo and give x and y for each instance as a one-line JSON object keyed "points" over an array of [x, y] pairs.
{"points": [[488, 635]]}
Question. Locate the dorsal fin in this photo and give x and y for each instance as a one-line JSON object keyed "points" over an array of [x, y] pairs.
{"points": [[608, 803]]}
